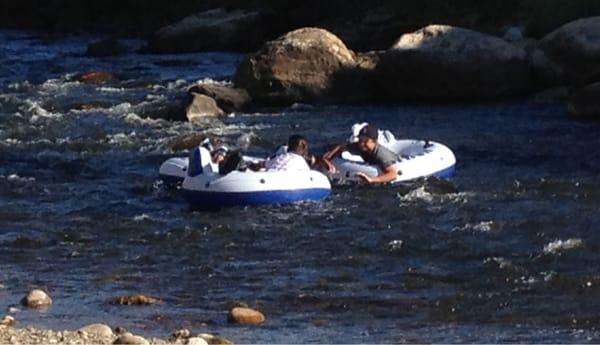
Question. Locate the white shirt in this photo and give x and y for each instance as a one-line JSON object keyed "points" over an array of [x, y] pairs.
{"points": [[287, 161]]}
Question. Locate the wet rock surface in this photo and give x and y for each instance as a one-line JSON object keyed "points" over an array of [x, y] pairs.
{"points": [[136, 300]]}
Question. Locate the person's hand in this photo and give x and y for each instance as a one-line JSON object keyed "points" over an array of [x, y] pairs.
{"points": [[364, 177]]}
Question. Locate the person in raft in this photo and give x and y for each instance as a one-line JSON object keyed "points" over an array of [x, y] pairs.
{"points": [[371, 152], [296, 158]]}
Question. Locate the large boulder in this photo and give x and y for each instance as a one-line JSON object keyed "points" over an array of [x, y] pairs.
{"points": [[216, 29], [298, 66], [446, 63], [575, 48]]}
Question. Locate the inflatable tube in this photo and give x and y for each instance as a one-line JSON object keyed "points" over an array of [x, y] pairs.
{"points": [[210, 190], [173, 170], [417, 158]]}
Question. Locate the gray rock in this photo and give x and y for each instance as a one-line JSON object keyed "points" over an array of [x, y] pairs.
{"points": [[196, 341], [202, 106], [575, 47], [7, 321], [228, 98], [216, 29], [128, 338], [296, 67], [98, 329], [37, 299], [441, 62]]}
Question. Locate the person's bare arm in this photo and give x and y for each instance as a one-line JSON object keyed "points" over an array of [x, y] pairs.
{"points": [[389, 174], [334, 152]]}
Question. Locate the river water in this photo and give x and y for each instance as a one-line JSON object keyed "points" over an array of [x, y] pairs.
{"points": [[505, 251]]}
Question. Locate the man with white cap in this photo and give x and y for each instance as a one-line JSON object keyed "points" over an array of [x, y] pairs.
{"points": [[371, 152]]}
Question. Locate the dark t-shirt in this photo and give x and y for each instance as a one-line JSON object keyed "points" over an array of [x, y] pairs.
{"points": [[381, 156]]}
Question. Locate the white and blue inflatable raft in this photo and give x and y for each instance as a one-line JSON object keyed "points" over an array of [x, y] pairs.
{"points": [[417, 159], [241, 188], [204, 188]]}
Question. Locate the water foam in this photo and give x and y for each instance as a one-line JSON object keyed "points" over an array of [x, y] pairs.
{"points": [[17, 178], [484, 226], [560, 245]]}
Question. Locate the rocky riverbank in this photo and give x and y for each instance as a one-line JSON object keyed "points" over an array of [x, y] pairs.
{"points": [[99, 333]]}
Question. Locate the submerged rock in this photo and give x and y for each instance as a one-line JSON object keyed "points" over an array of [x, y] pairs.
{"points": [[37, 299], [246, 316], [441, 62], [136, 300], [298, 66], [95, 77]]}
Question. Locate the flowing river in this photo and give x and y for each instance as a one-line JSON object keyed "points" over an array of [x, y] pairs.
{"points": [[505, 251]]}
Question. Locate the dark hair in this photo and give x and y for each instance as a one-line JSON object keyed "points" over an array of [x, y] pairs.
{"points": [[369, 132], [298, 144]]}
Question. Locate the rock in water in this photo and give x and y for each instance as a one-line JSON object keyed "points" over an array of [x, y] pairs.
{"points": [[136, 300], [37, 299], [299, 66], [246, 316], [575, 48], [202, 106], [215, 29], [445, 63]]}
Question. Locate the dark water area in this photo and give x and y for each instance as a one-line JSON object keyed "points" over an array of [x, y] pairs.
{"points": [[505, 251]]}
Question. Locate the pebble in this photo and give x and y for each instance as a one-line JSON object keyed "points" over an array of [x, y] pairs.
{"points": [[97, 329], [128, 338], [196, 341], [246, 316], [7, 321], [213, 340], [182, 333], [37, 299]]}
